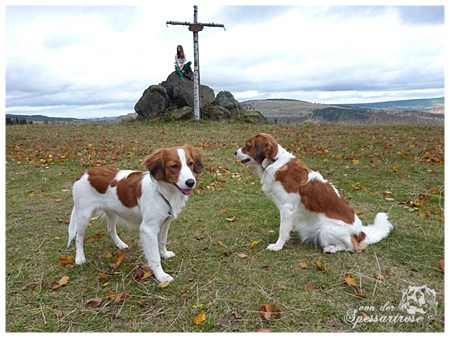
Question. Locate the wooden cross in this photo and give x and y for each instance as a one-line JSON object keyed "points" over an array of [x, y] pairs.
{"points": [[196, 27]]}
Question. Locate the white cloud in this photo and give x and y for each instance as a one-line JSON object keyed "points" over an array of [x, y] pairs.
{"points": [[105, 57]]}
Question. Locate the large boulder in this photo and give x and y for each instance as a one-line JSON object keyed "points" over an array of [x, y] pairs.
{"points": [[173, 99], [181, 92], [153, 102], [226, 99]]}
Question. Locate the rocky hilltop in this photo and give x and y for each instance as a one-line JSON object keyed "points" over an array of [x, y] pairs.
{"points": [[173, 99]]}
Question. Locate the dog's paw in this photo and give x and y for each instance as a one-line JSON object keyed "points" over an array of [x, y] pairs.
{"points": [[165, 278], [331, 249], [167, 254], [122, 245], [274, 247], [80, 260]]}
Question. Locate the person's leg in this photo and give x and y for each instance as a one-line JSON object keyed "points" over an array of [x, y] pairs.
{"points": [[178, 71]]}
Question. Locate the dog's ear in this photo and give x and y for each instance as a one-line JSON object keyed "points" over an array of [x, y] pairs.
{"points": [[197, 156], [154, 164], [265, 147]]}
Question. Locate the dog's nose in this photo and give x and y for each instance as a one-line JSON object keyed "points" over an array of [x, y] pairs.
{"points": [[235, 153], [190, 183]]}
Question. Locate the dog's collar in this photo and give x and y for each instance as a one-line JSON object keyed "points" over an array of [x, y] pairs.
{"points": [[272, 161], [169, 214]]}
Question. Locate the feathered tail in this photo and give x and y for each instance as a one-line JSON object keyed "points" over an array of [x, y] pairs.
{"points": [[380, 228]]}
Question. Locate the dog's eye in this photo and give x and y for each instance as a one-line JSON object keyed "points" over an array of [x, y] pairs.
{"points": [[174, 166], [190, 164]]}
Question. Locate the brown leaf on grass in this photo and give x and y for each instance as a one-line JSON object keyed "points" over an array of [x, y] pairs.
{"points": [[236, 315], [263, 329], [62, 282], [88, 239], [302, 265], [141, 273], [220, 243], [378, 276], [122, 297], [320, 266], [119, 258], [200, 318], [66, 260], [163, 285], [231, 219], [242, 255], [102, 276], [253, 244], [349, 280], [359, 294], [441, 264], [311, 287], [94, 302], [111, 295], [269, 312]]}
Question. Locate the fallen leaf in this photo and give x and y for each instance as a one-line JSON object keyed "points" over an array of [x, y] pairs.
{"points": [[163, 285], [66, 260], [220, 243], [441, 264], [320, 266], [62, 282], [350, 281], [111, 295], [302, 265], [378, 276], [231, 219], [269, 312], [389, 199], [241, 255], [200, 318], [236, 315], [119, 258], [102, 276], [94, 302], [310, 287], [263, 329], [122, 296], [253, 244]]}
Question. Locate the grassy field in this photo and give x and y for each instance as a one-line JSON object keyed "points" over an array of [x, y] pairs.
{"points": [[223, 273]]}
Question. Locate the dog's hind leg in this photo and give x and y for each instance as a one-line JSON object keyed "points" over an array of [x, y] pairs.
{"points": [[112, 223], [80, 221]]}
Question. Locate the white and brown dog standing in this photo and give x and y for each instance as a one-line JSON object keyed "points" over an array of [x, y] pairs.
{"points": [[151, 199], [307, 202]]}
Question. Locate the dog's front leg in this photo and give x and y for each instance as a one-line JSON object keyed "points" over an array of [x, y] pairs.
{"points": [[162, 241], [285, 228], [149, 238]]}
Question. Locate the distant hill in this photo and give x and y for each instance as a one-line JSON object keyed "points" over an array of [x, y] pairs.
{"points": [[294, 111], [407, 111]]}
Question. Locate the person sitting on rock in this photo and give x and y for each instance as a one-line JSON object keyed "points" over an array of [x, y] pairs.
{"points": [[182, 67]]}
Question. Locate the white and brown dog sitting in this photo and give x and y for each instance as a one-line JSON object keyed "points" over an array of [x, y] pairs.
{"points": [[150, 199], [307, 202]]}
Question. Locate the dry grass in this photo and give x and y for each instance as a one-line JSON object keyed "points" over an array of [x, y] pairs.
{"points": [[368, 164]]}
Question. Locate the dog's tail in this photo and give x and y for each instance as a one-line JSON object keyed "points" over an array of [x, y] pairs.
{"points": [[379, 230]]}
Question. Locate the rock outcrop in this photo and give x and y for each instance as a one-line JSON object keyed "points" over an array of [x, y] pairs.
{"points": [[174, 99]]}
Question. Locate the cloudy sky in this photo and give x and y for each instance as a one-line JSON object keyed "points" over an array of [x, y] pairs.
{"points": [[95, 61]]}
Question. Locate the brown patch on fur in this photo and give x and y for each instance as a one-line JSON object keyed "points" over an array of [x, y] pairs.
{"points": [[356, 241], [101, 177], [129, 189], [194, 158], [260, 147], [316, 196], [165, 164], [320, 197], [293, 175]]}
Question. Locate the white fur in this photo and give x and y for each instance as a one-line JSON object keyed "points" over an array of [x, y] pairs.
{"points": [[316, 228], [152, 213]]}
